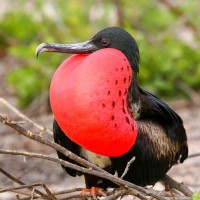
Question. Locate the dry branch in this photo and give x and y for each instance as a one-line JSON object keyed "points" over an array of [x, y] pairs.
{"points": [[38, 138], [20, 183], [127, 167], [86, 167], [136, 190], [194, 155], [24, 117], [30, 186], [178, 186], [96, 170], [119, 193]]}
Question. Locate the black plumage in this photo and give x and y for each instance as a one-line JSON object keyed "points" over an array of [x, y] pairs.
{"points": [[161, 140], [160, 144]]}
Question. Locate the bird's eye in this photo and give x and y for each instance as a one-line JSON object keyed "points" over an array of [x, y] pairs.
{"points": [[105, 42]]}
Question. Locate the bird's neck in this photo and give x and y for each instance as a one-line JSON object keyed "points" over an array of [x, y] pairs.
{"points": [[133, 99]]}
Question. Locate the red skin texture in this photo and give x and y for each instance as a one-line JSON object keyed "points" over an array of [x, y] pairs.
{"points": [[88, 98]]}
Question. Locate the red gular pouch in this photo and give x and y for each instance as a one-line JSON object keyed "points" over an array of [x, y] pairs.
{"points": [[88, 96]]}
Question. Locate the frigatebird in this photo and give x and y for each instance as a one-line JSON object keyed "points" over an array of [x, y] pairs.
{"points": [[104, 116]]}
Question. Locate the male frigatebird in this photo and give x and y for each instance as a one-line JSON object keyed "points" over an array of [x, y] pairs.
{"points": [[102, 115]]}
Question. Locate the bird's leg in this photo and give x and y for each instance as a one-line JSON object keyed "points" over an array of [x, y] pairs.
{"points": [[169, 189]]}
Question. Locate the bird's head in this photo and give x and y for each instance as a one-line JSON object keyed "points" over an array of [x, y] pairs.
{"points": [[112, 37], [88, 92]]}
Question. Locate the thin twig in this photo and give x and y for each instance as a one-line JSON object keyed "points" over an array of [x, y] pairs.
{"points": [[19, 187], [30, 186], [36, 137], [48, 191], [98, 171], [178, 186], [24, 117], [19, 182], [142, 196], [21, 192], [32, 194], [68, 191], [136, 190], [127, 167], [194, 155], [118, 193], [78, 196], [93, 170]]}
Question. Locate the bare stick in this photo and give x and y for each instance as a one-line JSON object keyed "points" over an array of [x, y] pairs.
{"points": [[127, 167], [48, 191], [68, 191], [99, 172], [18, 181], [19, 187], [119, 193], [194, 155], [178, 186], [36, 137], [22, 192], [78, 196], [136, 190], [30, 186], [18, 113], [32, 193]]}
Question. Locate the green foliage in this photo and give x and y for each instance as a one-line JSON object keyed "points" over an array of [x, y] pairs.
{"points": [[170, 64], [167, 61], [196, 196]]}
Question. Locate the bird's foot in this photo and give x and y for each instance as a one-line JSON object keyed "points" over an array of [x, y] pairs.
{"points": [[94, 191], [169, 189]]}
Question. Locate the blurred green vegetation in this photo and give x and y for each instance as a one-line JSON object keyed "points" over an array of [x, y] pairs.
{"points": [[167, 35], [196, 196]]}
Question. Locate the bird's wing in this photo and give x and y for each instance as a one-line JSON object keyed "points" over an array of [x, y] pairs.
{"points": [[156, 110], [61, 139], [161, 143]]}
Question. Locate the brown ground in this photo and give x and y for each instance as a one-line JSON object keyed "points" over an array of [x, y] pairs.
{"points": [[31, 170]]}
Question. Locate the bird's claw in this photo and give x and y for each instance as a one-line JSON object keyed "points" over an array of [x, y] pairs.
{"points": [[94, 191]]}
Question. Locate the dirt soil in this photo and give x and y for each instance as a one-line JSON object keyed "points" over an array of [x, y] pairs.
{"points": [[30, 170]]}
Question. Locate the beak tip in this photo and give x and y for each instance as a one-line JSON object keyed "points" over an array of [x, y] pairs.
{"points": [[40, 49]]}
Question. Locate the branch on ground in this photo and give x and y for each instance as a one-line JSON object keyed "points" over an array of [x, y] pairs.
{"points": [[86, 167]]}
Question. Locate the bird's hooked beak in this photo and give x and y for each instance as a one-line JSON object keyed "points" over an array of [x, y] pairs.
{"points": [[78, 48]]}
